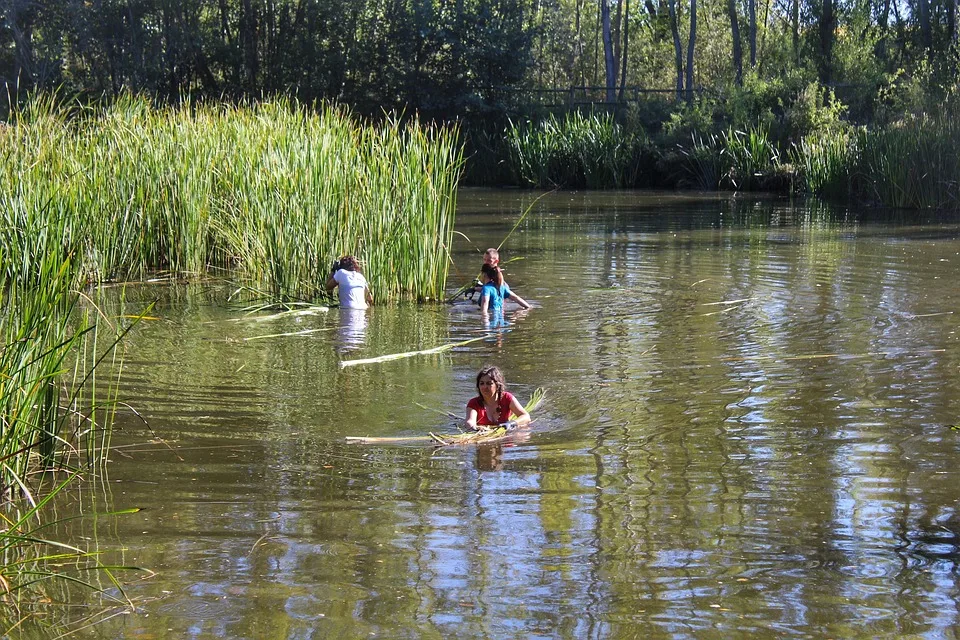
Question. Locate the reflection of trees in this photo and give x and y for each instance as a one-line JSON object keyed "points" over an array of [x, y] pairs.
{"points": [[722, 429]]}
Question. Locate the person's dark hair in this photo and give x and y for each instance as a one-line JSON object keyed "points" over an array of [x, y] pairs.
{"points": [[490, 271], [349, 263], [497, 376], [493, 273]]}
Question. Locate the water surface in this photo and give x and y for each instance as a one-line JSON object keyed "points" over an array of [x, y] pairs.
{"points": [[748, 434]]}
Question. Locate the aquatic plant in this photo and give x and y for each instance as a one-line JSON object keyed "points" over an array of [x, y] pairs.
{"points": [[826, 162], [912, 164], [752, 156], [272, 192], [578, 150], [704, 165], [36, 571]]}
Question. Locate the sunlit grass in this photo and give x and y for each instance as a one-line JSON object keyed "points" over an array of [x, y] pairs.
{"points": [[272, 192], [578, 150], [912, 164]]}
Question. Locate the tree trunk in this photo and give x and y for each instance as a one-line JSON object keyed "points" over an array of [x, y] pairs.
{"points": [[827, 28], [795, 24], [752, 8], [20, 16], [615, 29], [952, 21], [610, 63], [690, 48], [248, 35], [677, 46], [579, 45], [737, 46], [626, 47], [926, 33]]}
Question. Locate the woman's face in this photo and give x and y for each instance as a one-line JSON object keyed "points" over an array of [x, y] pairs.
{"points": [[487, 387]]}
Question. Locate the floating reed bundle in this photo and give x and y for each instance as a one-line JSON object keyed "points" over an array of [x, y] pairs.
{"points": [[481, 436], [491, 434]]}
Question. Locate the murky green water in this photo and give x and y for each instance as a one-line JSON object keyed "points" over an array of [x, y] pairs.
{"points": [[748, 434]]}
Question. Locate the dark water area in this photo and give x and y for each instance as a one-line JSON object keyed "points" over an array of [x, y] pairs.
{"points": [[748, 433]]}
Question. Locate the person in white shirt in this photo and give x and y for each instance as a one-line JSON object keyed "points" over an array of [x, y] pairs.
{"points": [[352, 288]]}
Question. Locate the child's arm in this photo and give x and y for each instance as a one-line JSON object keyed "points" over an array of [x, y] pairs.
{"points": [[520, 301], [484, 303]]}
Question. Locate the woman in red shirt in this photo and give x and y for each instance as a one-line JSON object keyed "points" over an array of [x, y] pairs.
{"points": [[494, 406]]}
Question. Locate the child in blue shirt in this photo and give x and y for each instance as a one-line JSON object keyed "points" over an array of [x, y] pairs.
{"points": [[492, 296]]}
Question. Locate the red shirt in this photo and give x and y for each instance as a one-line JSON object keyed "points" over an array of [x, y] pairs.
{"points": [[483, 419]]}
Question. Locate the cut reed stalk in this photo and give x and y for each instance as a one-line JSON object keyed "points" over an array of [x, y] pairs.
{"points": [[407, 354]]}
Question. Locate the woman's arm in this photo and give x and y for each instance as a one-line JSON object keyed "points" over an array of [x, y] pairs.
{"points": [[484, 303], [368, 296], [471, 417], [520, 301], [518, 413], [331, 283]]}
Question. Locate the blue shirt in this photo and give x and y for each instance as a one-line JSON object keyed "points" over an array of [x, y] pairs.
{"points": [[496, 296]]}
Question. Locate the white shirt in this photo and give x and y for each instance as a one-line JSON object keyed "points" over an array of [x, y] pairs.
{"points": [[351, 289]]}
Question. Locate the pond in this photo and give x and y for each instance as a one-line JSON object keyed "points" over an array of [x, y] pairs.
{"points": [[748, 431]]}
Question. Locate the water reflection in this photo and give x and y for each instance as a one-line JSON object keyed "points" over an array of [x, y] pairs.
{"points": [[352, 331], [746, 434]]}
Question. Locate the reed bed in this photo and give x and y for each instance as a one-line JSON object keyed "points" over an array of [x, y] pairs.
{"points": [[826, 163], [273, 192], [579, 150], [911, 164]]}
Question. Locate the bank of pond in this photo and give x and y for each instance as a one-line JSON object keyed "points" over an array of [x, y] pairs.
{"points": [[908, 164]]}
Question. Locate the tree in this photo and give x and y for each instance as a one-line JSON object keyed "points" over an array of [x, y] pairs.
{"points": [[827, 27], [690, 48], [609, 63], [735, 37], [677, 46]]}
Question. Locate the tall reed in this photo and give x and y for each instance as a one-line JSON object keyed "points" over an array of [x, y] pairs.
{"points": [[912, 164], [827, 162], [579, 150], [274, 191], [753, 154]]}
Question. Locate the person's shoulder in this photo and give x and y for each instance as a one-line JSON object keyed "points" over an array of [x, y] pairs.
{"points": [[508, 396], [352, 276], [473, 403]]}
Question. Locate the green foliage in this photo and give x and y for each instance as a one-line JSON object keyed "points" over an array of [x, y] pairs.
{"points": [[275, 190], [690, 119], [913, 164], [815, 110], [752, 155], [734, 159], [589, 151], [827, 161], [707, 166], [910, 164]]}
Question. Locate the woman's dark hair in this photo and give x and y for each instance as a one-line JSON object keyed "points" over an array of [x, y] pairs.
{"points": [[497, 376], [349, 263], [493, 273]]}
